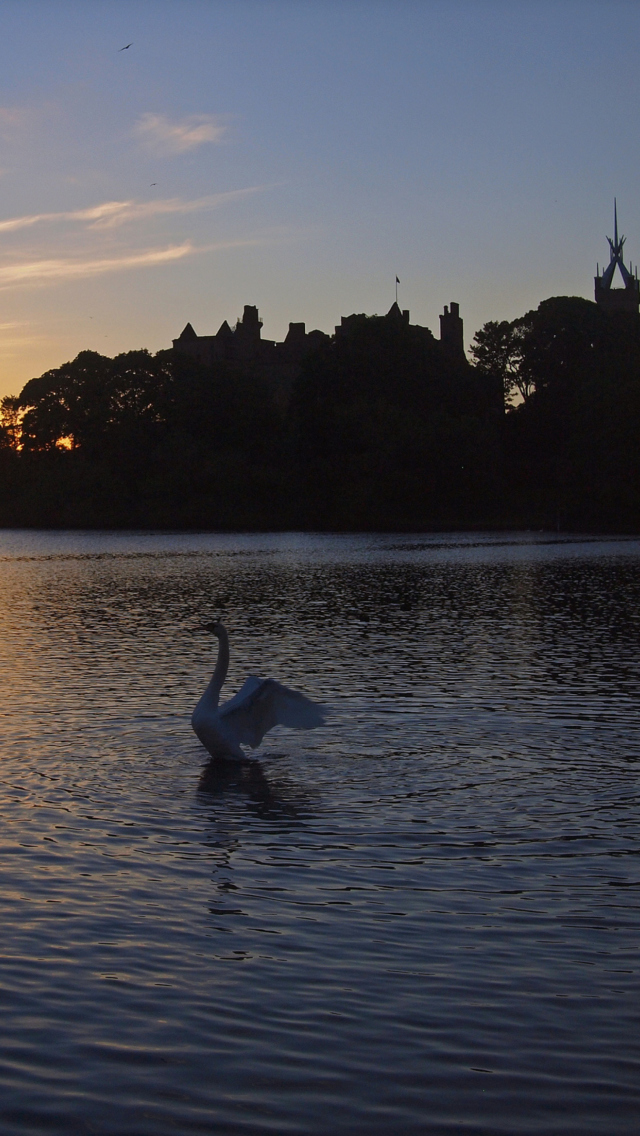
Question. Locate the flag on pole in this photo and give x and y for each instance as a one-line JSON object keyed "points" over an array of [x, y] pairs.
{"points": [[397, 279]]}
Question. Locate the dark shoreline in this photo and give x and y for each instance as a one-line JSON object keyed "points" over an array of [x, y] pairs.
{"points": [[570, 536]]}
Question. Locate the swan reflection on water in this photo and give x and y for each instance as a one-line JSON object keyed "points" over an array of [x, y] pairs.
{"points": [[267, 799], [260, 705]]}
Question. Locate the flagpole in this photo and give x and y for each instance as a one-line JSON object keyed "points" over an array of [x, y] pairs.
{"points": [[396, 289]]}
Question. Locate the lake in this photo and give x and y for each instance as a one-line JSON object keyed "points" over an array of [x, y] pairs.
{"points": [[420, 919]]}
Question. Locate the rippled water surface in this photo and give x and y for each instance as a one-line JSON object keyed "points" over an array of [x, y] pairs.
{"points": [[422, 919]]}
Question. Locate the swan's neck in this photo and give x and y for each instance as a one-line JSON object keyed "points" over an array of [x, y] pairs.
{"points": [[222, 666]]}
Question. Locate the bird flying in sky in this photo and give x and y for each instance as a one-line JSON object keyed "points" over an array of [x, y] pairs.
{"points": [[126, 46]]}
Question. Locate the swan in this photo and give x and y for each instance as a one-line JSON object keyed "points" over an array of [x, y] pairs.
{"points": [[259, 705]]}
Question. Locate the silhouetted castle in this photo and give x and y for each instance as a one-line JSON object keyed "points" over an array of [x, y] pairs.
{"points": [[610, 299], [244, 344], [281, 361]]}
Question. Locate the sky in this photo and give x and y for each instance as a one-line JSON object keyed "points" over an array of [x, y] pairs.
{"points": [[298, 155]]}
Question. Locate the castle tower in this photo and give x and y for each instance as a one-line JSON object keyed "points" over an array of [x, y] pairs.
{"points": [[246, 336], [248, 328], [610, 299], [451, 331]]}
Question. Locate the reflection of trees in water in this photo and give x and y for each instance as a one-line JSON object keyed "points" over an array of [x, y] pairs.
{"points": [[264, 798]]}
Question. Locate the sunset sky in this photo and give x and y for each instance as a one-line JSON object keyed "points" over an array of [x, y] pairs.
{"points": [[297, 155]]}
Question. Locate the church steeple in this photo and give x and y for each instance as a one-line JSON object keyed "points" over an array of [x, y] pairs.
{"points": [[610, 299]]}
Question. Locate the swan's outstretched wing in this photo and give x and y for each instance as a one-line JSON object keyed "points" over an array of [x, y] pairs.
{"points": [[262, 704], [247, 688]]}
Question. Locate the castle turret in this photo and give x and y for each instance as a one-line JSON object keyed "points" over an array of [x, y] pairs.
{"points": [[398, 316], [452, 331], [186, 336], [248, 328]]}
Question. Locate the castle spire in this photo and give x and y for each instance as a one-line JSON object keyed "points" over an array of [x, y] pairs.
{"points": [[617, 299]]}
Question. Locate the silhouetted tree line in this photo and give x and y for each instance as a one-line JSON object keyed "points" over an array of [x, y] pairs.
{"points": [[571, 441], [381, 430]]}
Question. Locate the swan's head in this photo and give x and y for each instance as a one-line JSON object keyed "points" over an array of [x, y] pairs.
{"points": [[215, 628]]}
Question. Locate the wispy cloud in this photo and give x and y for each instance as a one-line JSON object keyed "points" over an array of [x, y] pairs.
{"points": [[42, 272], [112, 213], [167, 137]]}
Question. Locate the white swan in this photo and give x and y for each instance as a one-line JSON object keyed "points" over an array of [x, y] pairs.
{"points": [[244, 720]]}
